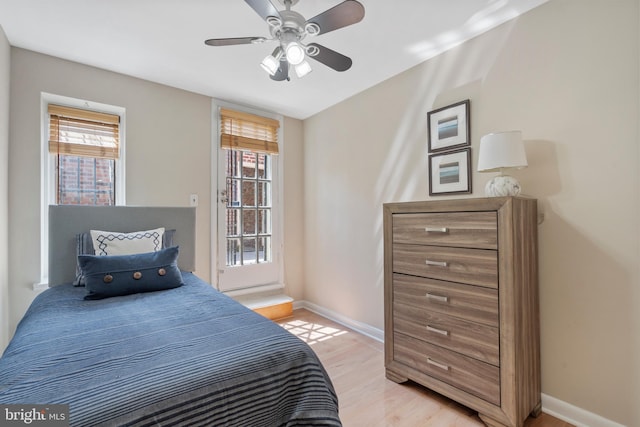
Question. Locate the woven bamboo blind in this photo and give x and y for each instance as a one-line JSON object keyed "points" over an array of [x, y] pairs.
{"points": [[244, 131], [76, 132]]}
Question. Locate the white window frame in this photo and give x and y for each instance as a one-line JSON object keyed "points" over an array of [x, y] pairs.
{"points": [[277, 204], [48, 167]]}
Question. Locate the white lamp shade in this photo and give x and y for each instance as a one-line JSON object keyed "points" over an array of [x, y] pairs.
{"points": [[295, 53], [270, 64], [302, 69], [501, 150]]}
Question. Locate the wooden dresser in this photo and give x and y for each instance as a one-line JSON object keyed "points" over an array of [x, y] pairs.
{"points": [[461, 302]]}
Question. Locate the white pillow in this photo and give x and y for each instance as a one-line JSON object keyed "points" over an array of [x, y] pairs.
{"points": [[137, 242]]}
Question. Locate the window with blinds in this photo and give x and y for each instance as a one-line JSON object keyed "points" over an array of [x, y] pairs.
{"points": [[248, 132], [86, 146], [249, 142]]}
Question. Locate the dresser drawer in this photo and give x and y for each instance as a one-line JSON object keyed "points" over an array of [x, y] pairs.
{"points": [[471, 339], [471, 266], [472, 303], [474, 377], [459, 229]]}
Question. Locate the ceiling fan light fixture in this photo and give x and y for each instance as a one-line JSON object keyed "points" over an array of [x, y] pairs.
{"points": [[270, 65], [271, 62], [295, 53], [289, 28], [302, 69]]}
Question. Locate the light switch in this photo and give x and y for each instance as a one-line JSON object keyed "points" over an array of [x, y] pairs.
{"points": [[193, 200]]}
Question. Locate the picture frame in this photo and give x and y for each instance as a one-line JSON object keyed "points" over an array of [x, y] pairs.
{"points": [[449, 127], [450, 172]]}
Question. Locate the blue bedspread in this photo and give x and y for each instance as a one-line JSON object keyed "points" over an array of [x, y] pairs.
{"points": [[185, 356]]}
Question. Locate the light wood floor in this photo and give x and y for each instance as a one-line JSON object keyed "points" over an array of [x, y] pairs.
{"points": [[355, 364]]}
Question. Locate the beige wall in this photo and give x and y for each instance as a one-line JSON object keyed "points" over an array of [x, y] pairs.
{"points": [[4, 187], [168, 140], [168, 157], [567, 75], [293, 159]]}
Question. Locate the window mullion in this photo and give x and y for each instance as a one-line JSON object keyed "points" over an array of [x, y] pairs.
{"points": [[78, 181], [95, 181]]}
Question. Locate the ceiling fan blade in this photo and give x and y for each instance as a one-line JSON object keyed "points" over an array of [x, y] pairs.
{"points": [[233, 41], [346, 13], [330, 58], [282, 73], [264, 8]]}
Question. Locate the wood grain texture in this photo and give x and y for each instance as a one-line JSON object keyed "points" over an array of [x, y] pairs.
{"points": [[473, 303], [470, 266], [465, 373], [355, 364], [451, 332], [459, 229], [514, 276], [276, 311]]}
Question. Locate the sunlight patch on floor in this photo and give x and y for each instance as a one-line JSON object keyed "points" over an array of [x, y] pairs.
{"points": [[311, 332]]}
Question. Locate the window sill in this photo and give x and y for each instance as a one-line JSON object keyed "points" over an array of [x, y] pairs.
{"points": [[39, 287]]}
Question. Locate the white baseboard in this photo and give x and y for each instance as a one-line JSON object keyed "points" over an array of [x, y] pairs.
{"points": [[550, 405], [362, 328], [574, 415]]}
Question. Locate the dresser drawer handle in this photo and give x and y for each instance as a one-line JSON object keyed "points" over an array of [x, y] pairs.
{"points": [[440, 298], [436, 229], [436, 263], [437, 331], [442, 366]]}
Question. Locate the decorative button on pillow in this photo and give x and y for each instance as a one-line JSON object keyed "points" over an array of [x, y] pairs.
{"points": [[116, 275], [84, 246], [113, 243]]}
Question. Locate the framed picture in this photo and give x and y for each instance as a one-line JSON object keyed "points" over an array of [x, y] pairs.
{"points": [[450, 172], [449, 127]]}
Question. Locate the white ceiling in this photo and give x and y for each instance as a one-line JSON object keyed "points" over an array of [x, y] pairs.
{"points": [[163, 41]]}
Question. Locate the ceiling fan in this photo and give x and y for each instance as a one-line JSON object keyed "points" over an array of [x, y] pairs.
{"points": [[290, 28]]}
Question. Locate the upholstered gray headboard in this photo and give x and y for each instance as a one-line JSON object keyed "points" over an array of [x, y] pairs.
{"points": [[65, 222]]}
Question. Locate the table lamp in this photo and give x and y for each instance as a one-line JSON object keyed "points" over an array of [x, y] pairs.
{"points": [[500, 151]]}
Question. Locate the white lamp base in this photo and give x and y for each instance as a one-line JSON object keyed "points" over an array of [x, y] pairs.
{"points": [[502, 185]]}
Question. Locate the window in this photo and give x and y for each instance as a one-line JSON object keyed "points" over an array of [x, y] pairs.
{"points": [[249, 142], [248, 215], [249, 206], [83, 158], [85, 147]]}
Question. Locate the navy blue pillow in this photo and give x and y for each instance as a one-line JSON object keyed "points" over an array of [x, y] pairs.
{"points": [[116, 275], [84, 246]]}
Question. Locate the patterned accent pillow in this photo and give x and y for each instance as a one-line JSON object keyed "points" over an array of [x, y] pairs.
{"points": [[113, 243]]}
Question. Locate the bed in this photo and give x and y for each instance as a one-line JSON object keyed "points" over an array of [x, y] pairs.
{"points": [[185, 355]]}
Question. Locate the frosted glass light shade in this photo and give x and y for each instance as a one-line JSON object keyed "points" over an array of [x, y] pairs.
{"points": [[302, 69], [501, 150], [270, 64], [295, 53]]}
